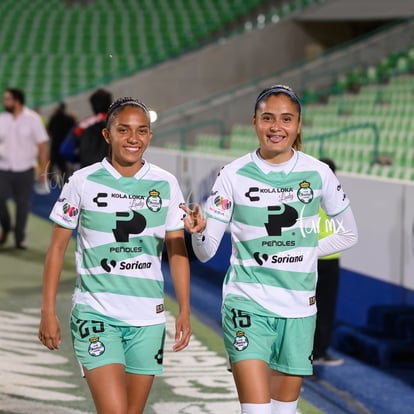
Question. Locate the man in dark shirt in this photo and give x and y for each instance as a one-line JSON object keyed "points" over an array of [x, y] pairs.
{"points": [[60, 123]]}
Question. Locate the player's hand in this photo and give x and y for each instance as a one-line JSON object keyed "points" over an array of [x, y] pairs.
{"points": [[194, 220], [182, 332], [49, 332]]}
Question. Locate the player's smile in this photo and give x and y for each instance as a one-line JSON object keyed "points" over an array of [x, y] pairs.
{"points": [[276, 138], [132, 149]]}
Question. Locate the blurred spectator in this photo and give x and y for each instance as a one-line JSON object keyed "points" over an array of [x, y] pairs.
{"points": [[326, 294], [23, 147], [85, 143], [60, 123], [93, 147]]}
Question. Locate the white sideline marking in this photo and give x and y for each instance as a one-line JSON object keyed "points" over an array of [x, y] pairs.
{"points": [[29, 372], [196, 373], [27, 369]]}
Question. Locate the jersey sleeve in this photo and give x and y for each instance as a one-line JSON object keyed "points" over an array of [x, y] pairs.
{"points": [[205, 244], [334, 200], [66, 210], [175, 214], [344, 236], [220, 203]]}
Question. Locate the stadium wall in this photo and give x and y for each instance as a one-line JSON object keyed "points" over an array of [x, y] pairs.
{"points": [[378, 271]]}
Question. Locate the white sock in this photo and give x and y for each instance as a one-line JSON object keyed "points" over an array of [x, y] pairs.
{"points": [[282, 407], [256, 408]]}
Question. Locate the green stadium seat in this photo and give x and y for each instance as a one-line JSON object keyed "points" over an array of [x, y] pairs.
{"points": [[353, 149], [148, 32], [208, 143], [56, 54]]}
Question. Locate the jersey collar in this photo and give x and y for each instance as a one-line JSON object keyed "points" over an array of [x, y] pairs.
{"points": [[109, 167], [267, 167]]}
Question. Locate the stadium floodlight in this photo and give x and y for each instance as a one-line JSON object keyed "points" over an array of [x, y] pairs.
{"points": [[153, 115]]}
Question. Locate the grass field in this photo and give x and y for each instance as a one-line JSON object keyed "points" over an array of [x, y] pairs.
{"points": [[35, 379]]}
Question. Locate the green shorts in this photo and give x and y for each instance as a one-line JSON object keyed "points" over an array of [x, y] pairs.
{"points": [[285, 344], [139, 348]]}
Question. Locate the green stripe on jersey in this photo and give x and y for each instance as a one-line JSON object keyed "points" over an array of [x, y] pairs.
{"points": [[112, 283], [280, 179], [285, 279], [105, 222], [129, 184]]}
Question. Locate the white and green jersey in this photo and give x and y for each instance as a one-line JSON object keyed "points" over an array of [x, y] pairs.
{"points": [[273, 214], [121, 223]]}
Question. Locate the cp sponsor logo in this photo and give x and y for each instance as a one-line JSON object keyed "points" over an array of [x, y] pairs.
{"points": [[124, 227], [280, 216]]}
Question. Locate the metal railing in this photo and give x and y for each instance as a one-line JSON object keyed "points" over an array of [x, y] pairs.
{"points": [[319, 74]]}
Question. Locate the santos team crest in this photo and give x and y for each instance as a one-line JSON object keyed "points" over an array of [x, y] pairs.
{"points": [[305, 192], [154, 202], [96, 347], [240, 341]]}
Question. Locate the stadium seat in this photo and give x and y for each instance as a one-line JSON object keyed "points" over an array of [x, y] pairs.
{"points": [[148, 32], [387, 339]]}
